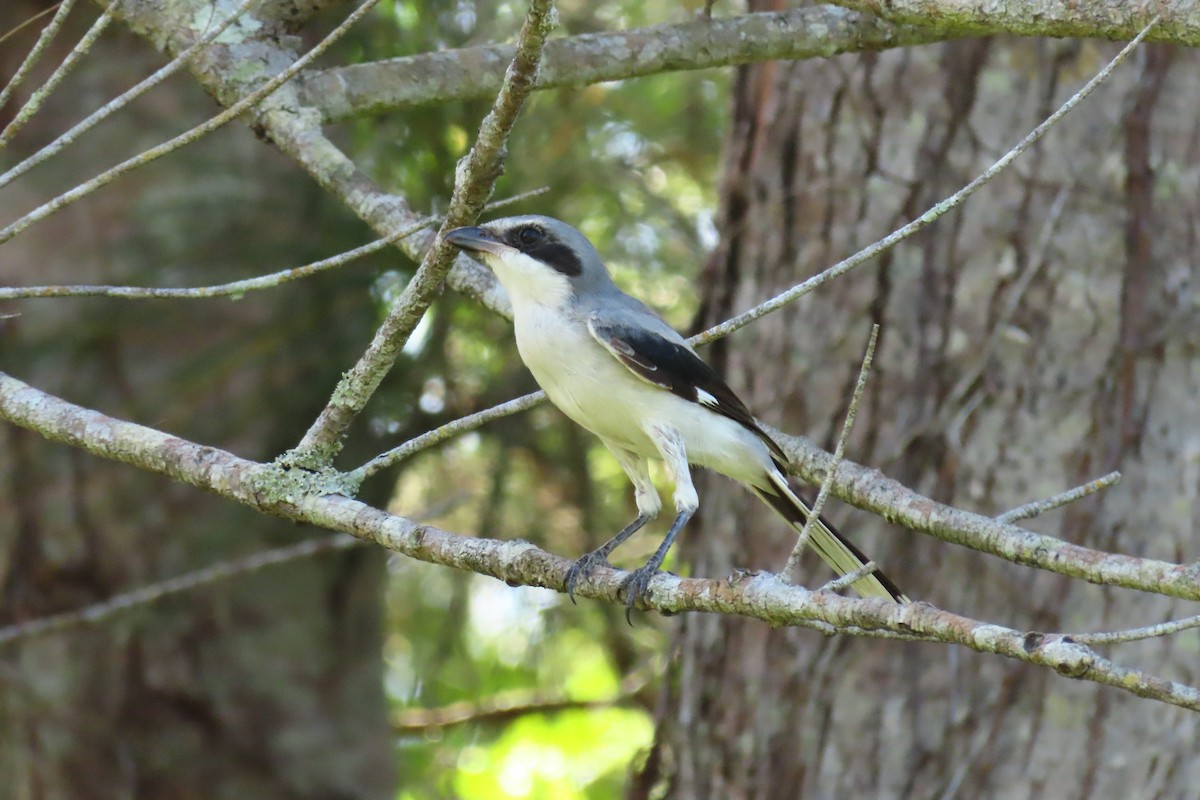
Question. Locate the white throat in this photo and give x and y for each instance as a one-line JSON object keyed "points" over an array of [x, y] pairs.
{"points": [[529, 282]]}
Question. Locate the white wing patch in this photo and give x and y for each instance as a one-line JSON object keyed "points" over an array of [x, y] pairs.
{"points": [[706, 399]]}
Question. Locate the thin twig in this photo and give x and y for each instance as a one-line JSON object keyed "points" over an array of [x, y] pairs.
{"points": [[1137, 634], [110, 108], [198, 132], [935, 212], [64, 69], [20, 26], [44, 39], [172, 586], [506, 706], [233, 288], [205, 576], [474, 179], [844, 581], [1061, 499], [442, 433], [792, 569], [958, 396], [240, 287]]}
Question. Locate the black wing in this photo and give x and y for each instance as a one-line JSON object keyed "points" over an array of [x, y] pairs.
{"points": [[674, 367]]}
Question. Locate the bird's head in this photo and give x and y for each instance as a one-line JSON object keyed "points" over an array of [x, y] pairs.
{"points": [[538, 260]]}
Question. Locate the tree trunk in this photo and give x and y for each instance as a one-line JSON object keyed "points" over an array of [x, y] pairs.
{"points": [[1023, 351], [267, 685]]}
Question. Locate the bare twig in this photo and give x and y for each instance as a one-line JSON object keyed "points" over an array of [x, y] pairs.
{"points": [[20, 26], [474, 179], [240, 287], [44, 39], [108, 109], [507, 706], [231, 289], [847, 580], [931, 215], [299, 136], [64, 69], [792, 569], [198, 132], [1137, 634], [99, 612], [441, 434], [1061, 499], [197, 579]]}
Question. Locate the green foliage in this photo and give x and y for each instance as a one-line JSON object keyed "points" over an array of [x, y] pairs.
{"points": [[619, 165], [569, 755]]}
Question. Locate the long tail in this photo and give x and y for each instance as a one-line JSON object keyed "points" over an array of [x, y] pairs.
{"points": [[830, 545]]}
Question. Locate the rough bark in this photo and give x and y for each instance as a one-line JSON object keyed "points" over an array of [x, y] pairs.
{"points": [[268, 687], [1021, 352]]}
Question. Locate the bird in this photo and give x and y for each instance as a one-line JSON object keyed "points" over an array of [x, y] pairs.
{"points": [[615, 367]]}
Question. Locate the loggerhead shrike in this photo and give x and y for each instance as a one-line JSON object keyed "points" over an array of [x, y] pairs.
{"points": [[618, 369]]}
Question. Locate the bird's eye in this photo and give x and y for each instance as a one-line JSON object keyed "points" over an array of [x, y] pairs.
{"points": [[530, 235]]}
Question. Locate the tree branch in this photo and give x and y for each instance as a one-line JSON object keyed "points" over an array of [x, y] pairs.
{"points": [[239, 287], [759, 596], [111, 107], [231, 289], [821, 31], [475, 177], [870, 490], [1179, 20], [1038, 507], [791, 570], [224, 570], [39, 47], [440, 434], [64, 69], [505, 707], [232, 112]]}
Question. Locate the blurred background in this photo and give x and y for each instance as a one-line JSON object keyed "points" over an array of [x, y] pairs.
{"points": [[1034, 340]]}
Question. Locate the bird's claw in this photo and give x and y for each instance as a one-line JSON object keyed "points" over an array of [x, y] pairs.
{"points": [[582, 569], [635, 586]]}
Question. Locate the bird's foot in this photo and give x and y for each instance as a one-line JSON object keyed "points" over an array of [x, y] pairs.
{"points": [[583, 568], [635, 587]]}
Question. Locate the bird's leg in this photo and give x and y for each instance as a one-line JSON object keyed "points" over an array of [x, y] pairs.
{"points": [[639, 580], [670, 446], [599, 557], [648, 504]]}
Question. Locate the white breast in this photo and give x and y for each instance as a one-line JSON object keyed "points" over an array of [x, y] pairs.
{"points": [[595, 390]]}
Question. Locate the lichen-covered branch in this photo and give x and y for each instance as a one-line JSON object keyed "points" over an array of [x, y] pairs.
{"points": [[758, 596], [473, 72], [1179, 20], [35, 53], [231, 289], [127, 97], [476, 175], [68, 64], [266, 86], [871, 490]]}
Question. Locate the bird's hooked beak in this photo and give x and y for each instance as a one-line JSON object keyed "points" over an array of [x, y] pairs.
{"points": [[477, 240]]}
